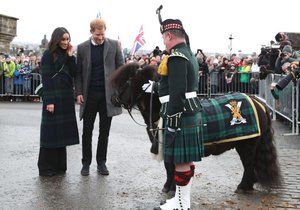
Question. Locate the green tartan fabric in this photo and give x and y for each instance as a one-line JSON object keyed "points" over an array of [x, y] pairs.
{"points": [[60, 128], [185, 145], [218, 119]]}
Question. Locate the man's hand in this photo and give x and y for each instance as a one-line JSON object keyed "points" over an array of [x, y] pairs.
{"points": [[273, 85], [147, 87], [50, 108], [80, 99]]}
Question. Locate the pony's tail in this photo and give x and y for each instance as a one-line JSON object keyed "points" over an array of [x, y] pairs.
{"points": [[266, 165]]}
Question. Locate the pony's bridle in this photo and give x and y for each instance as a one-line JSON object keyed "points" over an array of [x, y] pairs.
{"points": [[117, 97], [129, 106]]}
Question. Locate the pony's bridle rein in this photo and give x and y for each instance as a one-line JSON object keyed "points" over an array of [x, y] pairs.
{"points": [[128, 106]]}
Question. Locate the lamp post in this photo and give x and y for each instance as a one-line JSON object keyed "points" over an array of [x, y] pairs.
{"points": [[230, 43]]}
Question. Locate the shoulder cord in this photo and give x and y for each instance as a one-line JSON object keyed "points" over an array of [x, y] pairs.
{"points": [[58, 71]]}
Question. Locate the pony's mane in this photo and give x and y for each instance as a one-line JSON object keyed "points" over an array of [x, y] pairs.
{"points": [[144, 75], [122, 74], [141, 76]]}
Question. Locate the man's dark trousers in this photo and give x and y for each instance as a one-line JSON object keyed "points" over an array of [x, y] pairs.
{"points": [[96, 103]]}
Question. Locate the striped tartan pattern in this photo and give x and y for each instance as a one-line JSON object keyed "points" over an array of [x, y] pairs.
{"points": [[188, 145], [217, 118], [58, 129]]}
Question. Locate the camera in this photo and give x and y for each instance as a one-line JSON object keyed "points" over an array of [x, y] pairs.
{"points": [[293, 75], [283, 55]]}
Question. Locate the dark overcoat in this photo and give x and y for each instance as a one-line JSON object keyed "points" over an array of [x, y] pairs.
{"points": [[112, 58], [58, 129]]}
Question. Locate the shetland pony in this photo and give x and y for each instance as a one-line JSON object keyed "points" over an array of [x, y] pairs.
{"points": [[258, 154]]}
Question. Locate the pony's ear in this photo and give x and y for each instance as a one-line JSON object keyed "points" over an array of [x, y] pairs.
{"points": [[151, 72]]}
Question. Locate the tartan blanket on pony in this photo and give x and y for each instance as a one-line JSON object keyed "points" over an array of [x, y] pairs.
{"points": [[230, 117]]}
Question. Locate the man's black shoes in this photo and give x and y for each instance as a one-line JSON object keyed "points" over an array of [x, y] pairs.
{"points": [[102, 169], [85, 171]]}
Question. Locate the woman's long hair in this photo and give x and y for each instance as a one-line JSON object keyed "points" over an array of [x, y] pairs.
{"points": [[56, 37]]}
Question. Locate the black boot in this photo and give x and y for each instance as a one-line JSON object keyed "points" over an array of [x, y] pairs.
{"points": [[169, 184]]}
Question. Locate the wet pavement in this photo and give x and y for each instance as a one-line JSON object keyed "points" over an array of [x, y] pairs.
{"points": [[135, 179]]}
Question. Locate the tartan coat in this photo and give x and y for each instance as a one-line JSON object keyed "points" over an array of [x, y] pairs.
{"points": [[112, 58], [60, 128]]}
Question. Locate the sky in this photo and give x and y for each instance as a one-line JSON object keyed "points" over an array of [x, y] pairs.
{"points": [[208, 23]]}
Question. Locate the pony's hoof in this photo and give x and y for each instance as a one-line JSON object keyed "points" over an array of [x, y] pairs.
{"points": [[165, 189], [243, 191], [171, 193], [162, 203]]}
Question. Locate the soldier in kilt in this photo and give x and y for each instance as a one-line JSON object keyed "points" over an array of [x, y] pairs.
{"points": [[58, 126], [180, 111]]}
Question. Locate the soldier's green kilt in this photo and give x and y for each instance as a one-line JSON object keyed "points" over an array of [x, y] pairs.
{"points": [[185, 145]]}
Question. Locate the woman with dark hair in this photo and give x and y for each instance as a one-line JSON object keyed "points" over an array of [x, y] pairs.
{"points": [[58, 126]]}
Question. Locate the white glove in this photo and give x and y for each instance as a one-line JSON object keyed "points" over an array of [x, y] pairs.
{"points": [[147, 87], [171, 129]]}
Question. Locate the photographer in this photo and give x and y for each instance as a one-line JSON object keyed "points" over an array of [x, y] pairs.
{"points": [[293, 73], [203, 71], [201, 58], [156, 51], [287, 55], [283, 39]]}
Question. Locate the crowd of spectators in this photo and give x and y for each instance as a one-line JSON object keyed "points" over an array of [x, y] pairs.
{"points": [[19, 75], [218, 74]]}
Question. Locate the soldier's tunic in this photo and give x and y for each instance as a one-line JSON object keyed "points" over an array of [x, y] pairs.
{"points": [[180, 105]]}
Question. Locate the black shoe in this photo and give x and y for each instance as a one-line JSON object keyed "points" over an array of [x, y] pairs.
{"points": [[85, 171], [102, 169]]}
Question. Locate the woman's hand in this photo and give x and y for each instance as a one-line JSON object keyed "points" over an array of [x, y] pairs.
{"points": [[50, 108], [70, 50]]}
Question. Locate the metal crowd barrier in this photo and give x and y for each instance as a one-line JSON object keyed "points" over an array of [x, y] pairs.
{"points": [[26, 88], [211, 87], [287, 106]]}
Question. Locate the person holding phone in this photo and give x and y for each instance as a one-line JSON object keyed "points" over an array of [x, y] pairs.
{"points": [[58, 126]]}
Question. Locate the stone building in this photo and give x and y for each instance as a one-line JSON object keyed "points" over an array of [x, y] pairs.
{"points": [[44, 43], [8, 30]]}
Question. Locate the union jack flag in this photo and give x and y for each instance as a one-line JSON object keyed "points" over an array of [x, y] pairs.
{"points": [[138, 42]]}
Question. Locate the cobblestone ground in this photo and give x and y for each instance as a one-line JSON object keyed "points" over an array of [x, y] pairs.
{"points": [[135, 179]]}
